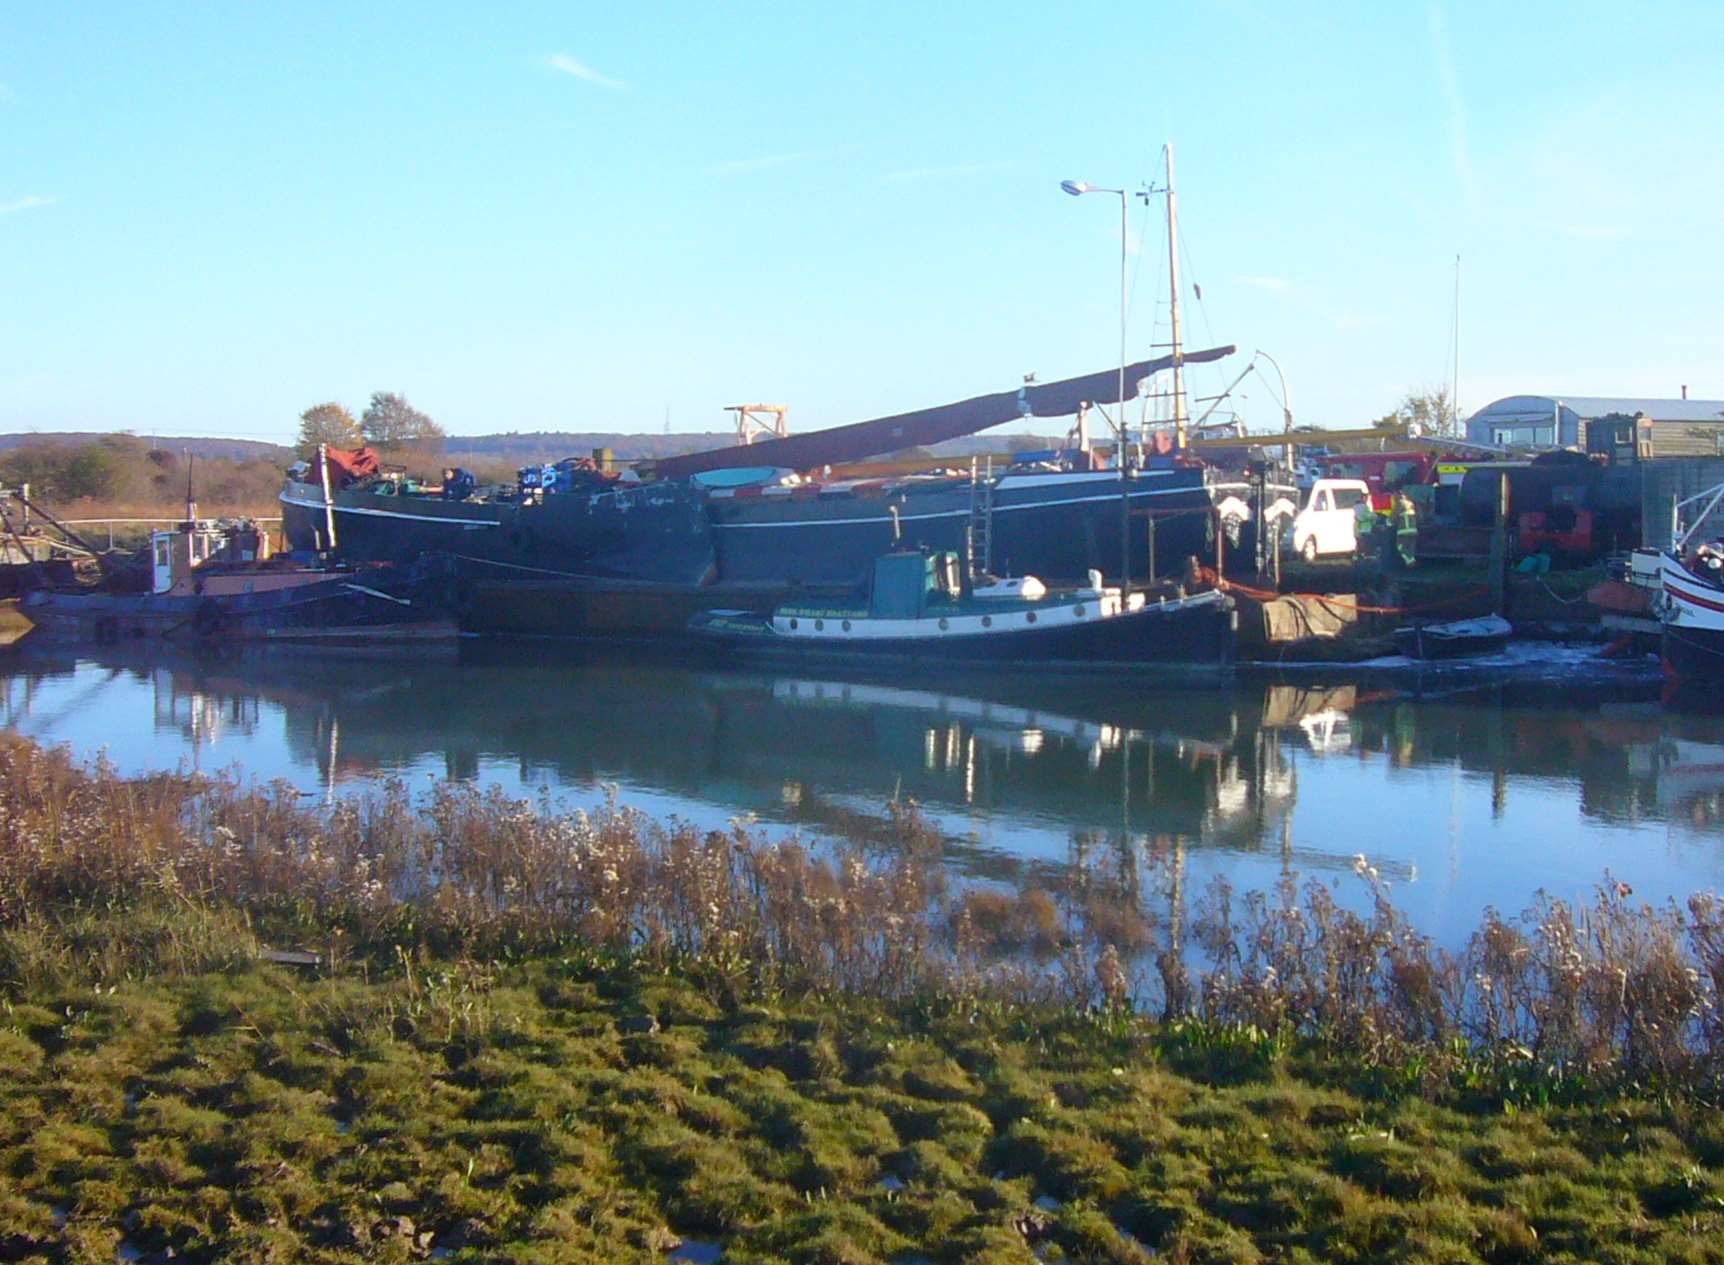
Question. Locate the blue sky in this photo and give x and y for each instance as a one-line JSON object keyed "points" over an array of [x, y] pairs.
{"points": [[547, 216]]}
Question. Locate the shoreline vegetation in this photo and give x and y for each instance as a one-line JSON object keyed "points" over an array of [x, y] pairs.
{"points": [[538, 1036]]}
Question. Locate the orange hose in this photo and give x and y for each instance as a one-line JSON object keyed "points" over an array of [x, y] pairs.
{"points": [[1266, 595]]}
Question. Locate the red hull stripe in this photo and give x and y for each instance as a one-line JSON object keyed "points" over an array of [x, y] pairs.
{"points": [[1695, 599]]}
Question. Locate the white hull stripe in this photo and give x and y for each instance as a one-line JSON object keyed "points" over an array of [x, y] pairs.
{"points": [[468, 523], [886, 519], [1686, 608], [1689, 611], [927, 628]]}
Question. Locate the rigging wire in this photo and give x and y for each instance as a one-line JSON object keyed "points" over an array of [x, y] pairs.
{"points": [[1214, 371], [1267, 384]]}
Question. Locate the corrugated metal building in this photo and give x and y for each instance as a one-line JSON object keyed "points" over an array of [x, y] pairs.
{"points": [[1666, 482], [1681, 428]]}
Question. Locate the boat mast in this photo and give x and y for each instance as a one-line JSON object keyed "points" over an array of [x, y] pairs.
{"points": [[1455, 381], [1179, 414]]}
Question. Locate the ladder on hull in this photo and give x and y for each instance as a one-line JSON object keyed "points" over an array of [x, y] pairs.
{"points": [[979, 532]]}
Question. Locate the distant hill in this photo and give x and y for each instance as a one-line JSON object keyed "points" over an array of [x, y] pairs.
{"points": [[524, 447], [528, 447], [517, 448], [203, 447]]}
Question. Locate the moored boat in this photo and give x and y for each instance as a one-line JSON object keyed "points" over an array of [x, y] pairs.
{"points": [[792, 523], [1690, 592], [918, 609], [1454, 639], [582, 522], [1690, 609], [210, 584]]}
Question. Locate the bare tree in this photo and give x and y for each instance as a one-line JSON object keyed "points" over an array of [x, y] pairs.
{"points": [[395, 426], [1427, 412], [327, 424]]}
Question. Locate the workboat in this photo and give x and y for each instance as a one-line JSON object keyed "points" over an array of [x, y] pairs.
{"points": [[1691, 612], [769, 513], [1454, 639], [216, 581], [1689, 597], [571, 518], [919, 609]]}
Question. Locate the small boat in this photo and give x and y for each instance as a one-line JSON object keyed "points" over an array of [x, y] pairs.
{"points": [[1690, 607], [1455, 639], [1688, 587], [919, 609], [215, 581]]}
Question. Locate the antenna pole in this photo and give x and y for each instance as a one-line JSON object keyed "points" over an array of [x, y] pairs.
{"points": [[1455, 382], [1124, 198], [1179, 415]]}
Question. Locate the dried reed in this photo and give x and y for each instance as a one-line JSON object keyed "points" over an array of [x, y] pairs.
{"points": [[1612, 989]]}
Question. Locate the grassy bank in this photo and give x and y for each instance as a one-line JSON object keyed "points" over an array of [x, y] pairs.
{"points": [[540, 1037], [586, 1108]]}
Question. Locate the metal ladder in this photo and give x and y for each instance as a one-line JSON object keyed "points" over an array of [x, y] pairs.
{"points": [[980, 530]]}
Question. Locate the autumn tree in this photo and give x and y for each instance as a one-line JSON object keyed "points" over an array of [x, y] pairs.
{"points": [[328, 424]]}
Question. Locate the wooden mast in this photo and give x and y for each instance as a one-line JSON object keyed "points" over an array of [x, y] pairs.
{"points": [[1179, 413]]}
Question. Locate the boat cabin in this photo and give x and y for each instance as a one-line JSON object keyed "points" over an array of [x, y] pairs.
{"points": [[907, 583], [197, 543]]}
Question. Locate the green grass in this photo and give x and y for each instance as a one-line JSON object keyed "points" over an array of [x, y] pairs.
{"points": [[229, 1110]]}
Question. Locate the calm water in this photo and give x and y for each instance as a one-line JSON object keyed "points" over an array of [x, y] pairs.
{"points": [[1463, 794]]}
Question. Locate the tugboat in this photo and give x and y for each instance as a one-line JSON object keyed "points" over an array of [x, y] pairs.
{"points": [[918, 609]]}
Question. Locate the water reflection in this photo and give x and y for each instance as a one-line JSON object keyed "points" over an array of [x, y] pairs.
{"points": [[1463, 794]]}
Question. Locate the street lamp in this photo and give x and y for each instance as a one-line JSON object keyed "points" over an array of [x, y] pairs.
{"points": [[1077, 188], [1286, 409], [1286, 403]]}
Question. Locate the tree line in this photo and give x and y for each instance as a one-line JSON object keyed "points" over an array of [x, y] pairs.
{"points": [[389, 424], [122, 473]]}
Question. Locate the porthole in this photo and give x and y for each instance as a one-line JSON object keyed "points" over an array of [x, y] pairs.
{"points": [[1078, 611], [793, 623], [944, 623], [1030, 618], [846, 625], [987, 621], [820, 625]]}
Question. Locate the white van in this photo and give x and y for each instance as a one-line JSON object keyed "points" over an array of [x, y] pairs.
{"points": [[1325, 525]]}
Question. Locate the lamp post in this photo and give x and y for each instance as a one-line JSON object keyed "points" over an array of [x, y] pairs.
{"points": [[1286, 409], [1077, 188]]}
